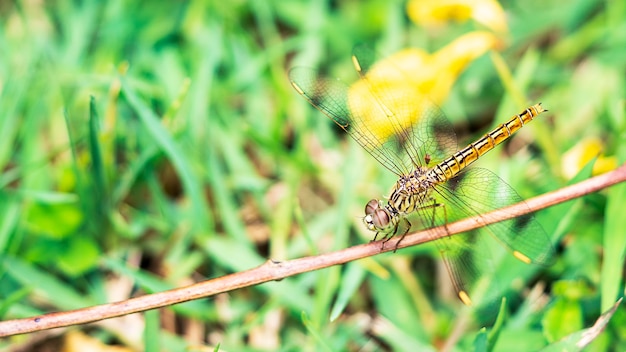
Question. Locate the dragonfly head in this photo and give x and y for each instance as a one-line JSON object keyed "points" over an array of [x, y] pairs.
{"points": [[377, 217]]}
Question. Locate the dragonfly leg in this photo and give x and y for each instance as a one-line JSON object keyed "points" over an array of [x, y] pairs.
{"points": [[408, 227], [445, 215], [434, 207], [389, 235], [386, 238]]}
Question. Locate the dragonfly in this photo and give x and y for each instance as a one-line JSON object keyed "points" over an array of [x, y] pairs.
{"points": [[411, 137]]}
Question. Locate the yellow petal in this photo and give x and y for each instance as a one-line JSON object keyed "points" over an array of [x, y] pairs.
{"points": [[490, 14], [411, 81], [400, 80], [582, 153], [450, 61], [432, 13], [438, 12]]}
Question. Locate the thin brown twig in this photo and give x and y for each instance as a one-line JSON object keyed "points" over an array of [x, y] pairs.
{"points": [[274, 270]]}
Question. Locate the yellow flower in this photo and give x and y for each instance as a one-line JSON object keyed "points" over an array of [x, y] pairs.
{"points": [[411, 75], [430, 13], [582, 153]]}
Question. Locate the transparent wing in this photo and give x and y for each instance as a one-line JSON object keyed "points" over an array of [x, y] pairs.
{"points": [[418, 124], [331, 98], [400, 131], [479, 191], [476, 192]]}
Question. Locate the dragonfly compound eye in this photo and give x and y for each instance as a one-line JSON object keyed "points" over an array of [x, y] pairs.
{"points": [[380, 218], [371, 207]]}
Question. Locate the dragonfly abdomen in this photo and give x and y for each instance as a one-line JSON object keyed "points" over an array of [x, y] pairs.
{"points": [[451, 166]]}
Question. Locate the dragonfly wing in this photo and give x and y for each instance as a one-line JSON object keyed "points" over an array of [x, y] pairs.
{"points": [[459, 258], [464, 256], [477, 192], [399, 127], [417, 124], [331, 98]]}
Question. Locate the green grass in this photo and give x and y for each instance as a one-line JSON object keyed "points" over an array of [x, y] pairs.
{"points": [[145, 146]]}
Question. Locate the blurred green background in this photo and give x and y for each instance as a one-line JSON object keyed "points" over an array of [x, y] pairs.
{"points": [[150, 145]]}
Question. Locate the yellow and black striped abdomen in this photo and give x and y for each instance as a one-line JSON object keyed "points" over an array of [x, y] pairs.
{"points": [[451, 166]]}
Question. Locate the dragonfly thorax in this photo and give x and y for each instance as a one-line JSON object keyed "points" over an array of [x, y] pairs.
{"points": [[408, 193], [412, 190]]}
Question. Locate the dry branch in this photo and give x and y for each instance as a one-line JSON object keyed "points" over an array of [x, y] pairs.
{"points": [[273, 270]]}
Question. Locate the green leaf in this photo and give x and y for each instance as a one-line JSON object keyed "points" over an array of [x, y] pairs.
{"points": [[321, 342], [614, 244], [563, 318], [480, 342], [56, 292], [578, 340], [80, 255], [54, 220], [351, 281], [176, 155]]}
